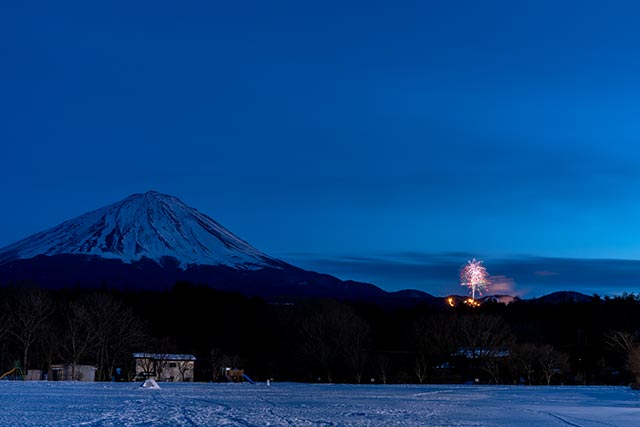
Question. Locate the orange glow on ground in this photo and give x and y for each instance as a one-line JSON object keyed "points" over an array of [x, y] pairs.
{"points": [[472, 302]]}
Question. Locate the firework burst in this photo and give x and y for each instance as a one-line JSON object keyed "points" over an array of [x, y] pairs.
{"points": [[475, 277]]}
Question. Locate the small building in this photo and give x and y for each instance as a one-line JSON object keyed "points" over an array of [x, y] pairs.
{"points": [[164, 367], [481, 352], [66, 372]]}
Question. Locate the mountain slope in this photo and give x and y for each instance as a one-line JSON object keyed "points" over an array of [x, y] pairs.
{"points": [[151, 241], [149, 225]]}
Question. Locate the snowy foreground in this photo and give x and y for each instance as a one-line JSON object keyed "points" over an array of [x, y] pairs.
{"points": [[126, 404]]}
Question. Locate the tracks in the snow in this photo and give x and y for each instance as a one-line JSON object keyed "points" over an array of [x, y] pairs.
{"points": [[573, 422]]}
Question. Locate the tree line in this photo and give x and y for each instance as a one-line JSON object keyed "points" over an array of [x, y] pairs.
{"points": [[323, 340]]}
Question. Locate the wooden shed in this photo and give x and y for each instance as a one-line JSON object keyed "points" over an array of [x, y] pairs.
{"points": [[164, 367]]}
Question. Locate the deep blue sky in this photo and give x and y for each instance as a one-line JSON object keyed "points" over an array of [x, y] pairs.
{"points": [[378, 141]]}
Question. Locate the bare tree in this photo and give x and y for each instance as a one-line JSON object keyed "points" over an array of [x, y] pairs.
{"points": [[4, 327], [4, 321], [525, 360], [383, 364], [218, 361], [485, 340], [422, 367], [184, 367], [26, 322], [318, 332], [160, 363], [536, 363], [47, 346], [435, 338], [79, 337], [163, 348], [146, 365], [117, 330], [355, 338], [335, 336], [552, 362], [628, 344], [235, 361]]}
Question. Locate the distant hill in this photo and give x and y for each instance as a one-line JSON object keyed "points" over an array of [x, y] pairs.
{"points": [[562, 297]]}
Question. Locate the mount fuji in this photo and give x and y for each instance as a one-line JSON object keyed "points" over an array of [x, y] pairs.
{"points": [[150, 225], [151, 241]]}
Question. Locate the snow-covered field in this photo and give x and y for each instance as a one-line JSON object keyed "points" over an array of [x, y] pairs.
{"points": [[126, 404]]}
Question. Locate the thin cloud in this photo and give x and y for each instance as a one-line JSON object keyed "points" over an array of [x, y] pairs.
{"points": [[544, 273]]}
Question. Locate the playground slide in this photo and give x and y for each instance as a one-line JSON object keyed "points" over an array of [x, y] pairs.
{"points": [[7, 373], [246, 377]]}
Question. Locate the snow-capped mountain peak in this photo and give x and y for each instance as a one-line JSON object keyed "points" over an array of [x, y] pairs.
{"points": [[150, 225]]}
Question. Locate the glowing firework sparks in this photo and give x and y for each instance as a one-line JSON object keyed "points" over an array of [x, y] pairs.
{"points": [[475, 277]]}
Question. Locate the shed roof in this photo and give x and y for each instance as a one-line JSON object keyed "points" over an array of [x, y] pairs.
{"points": [[473, 352], [164, 356]]}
